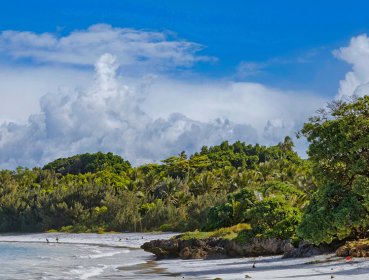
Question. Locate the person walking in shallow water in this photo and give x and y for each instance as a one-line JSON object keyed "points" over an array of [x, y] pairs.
{"points": [[57, 239], [47, 240]]}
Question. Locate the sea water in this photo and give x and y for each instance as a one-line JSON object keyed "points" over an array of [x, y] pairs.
{"points": [[77, 256]]}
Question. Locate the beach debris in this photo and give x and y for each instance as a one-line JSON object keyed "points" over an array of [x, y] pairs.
{"points": [[348, 258], [332, 276], [247, 276]]}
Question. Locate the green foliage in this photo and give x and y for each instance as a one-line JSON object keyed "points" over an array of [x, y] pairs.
{"points": [[336, 213], [214, 188], [226, 233], [339, 151], [84, 163], [273, 217], [232, 212]]}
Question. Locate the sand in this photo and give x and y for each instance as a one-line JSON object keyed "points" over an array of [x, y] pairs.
{"points": [[319, 267], [143, 265]]}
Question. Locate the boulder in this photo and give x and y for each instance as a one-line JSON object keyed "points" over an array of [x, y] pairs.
{"points": [[304, 250], [192, 253], [358, 249], [163, 248]]}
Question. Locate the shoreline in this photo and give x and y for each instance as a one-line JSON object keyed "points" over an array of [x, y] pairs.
{"points": [[146, 267]]}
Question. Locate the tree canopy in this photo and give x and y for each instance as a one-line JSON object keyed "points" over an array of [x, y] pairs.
{"points": [[339, 151], [99, 192], [84, 163]]}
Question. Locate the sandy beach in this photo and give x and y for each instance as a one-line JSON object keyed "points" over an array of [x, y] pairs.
{"points": [[137, 264], [319, 267]]}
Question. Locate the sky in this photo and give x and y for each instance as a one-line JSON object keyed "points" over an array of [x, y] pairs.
{"points": [[148, 79]]}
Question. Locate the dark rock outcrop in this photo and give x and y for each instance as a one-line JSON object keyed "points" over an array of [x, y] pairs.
{"points": [[258, 247], [306, 249], [211, 248], [162, 248], [358, 248]]}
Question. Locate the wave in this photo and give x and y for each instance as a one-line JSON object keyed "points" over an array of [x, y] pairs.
{"points": [[104, 254], [88, 272]]}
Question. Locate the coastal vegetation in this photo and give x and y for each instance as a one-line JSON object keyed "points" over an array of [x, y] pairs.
{"points": [[217, 187], [238, 191], [339, 153]]}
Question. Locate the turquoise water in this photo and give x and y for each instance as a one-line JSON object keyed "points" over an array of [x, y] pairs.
{"points": [[79, 256], [62, 261]]}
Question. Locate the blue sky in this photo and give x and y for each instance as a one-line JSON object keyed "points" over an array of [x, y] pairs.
{"points": [[83, 76], [279, 33]]}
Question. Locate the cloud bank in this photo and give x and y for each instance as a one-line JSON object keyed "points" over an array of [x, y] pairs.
{"points": [[356, 54], [107, 117], [141, 119]]}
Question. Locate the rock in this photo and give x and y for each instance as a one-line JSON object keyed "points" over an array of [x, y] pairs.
{"points": [[358, 249], [304, 250], [343, 251], [192, 253], [162, 248], [288, 248], [258, 247], [212, 248]]}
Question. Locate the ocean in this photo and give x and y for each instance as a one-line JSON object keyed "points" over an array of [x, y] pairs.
{"points": [[78, 256]]}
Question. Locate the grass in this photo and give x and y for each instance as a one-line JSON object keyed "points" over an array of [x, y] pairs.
{"points": [[226, 233], [358, 242]]}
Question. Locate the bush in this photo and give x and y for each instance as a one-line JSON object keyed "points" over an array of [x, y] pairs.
{"points": [[336, 213], [232, 212], [273, 217]]}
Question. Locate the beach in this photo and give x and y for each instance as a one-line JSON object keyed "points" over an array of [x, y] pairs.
{"points": [[117, 256]]}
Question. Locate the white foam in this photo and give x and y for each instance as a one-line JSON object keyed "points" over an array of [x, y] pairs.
{"points": [[88, 272], [104, 255]]}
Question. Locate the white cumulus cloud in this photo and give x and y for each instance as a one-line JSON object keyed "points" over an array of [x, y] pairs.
{"points": [[107, 117], [356, 54], [53, 109]]}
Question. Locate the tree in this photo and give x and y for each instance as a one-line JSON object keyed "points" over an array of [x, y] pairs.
{"points": [[273, 217], [84, 163], [339, 150]]}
